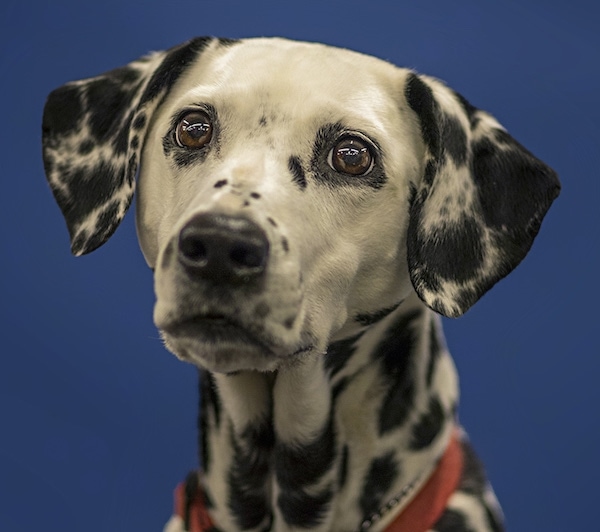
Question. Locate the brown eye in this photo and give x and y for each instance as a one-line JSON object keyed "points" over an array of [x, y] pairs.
{"points": [[351, 156], [194, 130]]}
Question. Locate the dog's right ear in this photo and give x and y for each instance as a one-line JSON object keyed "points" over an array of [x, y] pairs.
{"points": [[92, 135]]}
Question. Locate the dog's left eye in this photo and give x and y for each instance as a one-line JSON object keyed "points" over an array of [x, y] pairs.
{"points": [[351, 155], [194, 130]]}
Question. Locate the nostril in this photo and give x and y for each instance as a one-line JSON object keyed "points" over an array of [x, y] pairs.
{"points": [[247, 255], [193, 248]]}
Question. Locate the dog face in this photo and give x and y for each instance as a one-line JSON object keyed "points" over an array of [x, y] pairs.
{"points": [[290, 191]]}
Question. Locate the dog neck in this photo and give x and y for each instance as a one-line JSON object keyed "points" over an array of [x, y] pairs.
{"points": [[326, 442]]}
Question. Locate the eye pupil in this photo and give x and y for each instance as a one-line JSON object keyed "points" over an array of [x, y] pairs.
{"points": [[352, 156], [194, 130]]}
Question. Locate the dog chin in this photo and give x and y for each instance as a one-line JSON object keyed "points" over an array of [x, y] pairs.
{"points": [[226, 353]]}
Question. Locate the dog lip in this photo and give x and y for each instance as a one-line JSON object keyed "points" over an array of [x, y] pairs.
{"points": [[215, 328]]}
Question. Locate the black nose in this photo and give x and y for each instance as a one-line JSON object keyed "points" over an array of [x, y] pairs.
{"points": [[223, 249]]}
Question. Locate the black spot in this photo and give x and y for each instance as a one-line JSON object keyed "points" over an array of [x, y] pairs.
{"points": [[395, 353], [435, 351], [246, 204], [131, 169], [86, 147], [421, 100], [339, 387], [452, 521], [284, 244], [297, 467], [454, 139], [175, 62], [121, 140], [454, 252], [300, 509], [139, 122], [262, 121], [289, 322], [226, 42], [369, 318], [88, 189], [135, 143], [107, 104], [343, 473], [124, 75], [298, 176], [379, 479], [470, 110], [431, 169], [209, 402], [210, 397], [338, 353], [428, 426], [302, 464], [62, 113], [108, 216], [272, 222], [220, 183], [515, 190], [247, 479], [255, 195]]}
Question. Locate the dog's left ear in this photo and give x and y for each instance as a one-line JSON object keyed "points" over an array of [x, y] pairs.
{"points": [[92, 135], [476, 211]]}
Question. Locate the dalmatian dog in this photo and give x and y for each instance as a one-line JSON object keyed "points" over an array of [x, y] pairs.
{"points": [[308, 213]]}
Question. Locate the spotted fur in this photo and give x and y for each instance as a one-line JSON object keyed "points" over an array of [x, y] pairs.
{"points": [[305, 295]]}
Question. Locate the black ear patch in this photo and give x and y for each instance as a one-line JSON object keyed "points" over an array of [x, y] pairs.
{"points": [[92, 135], [480, 203]]}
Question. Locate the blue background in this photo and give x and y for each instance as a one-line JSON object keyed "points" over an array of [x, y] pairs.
{"points": [[98, 420]]}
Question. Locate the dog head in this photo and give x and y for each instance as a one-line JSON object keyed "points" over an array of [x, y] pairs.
{"points": [[288, 189]]}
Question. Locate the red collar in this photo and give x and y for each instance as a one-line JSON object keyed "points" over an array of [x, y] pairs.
{"points": [[420, 515]]}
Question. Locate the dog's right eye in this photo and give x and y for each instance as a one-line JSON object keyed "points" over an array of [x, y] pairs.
{"points": [[194, 130], [352, 156]]}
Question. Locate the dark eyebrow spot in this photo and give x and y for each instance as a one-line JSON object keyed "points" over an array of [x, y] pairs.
{"points": [[298, 176]]}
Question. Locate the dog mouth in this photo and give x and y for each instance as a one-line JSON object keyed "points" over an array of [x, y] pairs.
{"points": [[216, 329], [222, 343]]}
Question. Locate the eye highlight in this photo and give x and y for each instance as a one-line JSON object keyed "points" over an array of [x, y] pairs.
{"points": [[352, 156], [194, 130]]}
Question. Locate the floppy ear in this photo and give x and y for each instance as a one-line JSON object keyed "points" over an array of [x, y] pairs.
{"points": [[481, 201], [92, 134]]}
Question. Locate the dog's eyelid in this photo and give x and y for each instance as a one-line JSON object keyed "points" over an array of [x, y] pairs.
{"points": [[192, 108]]}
